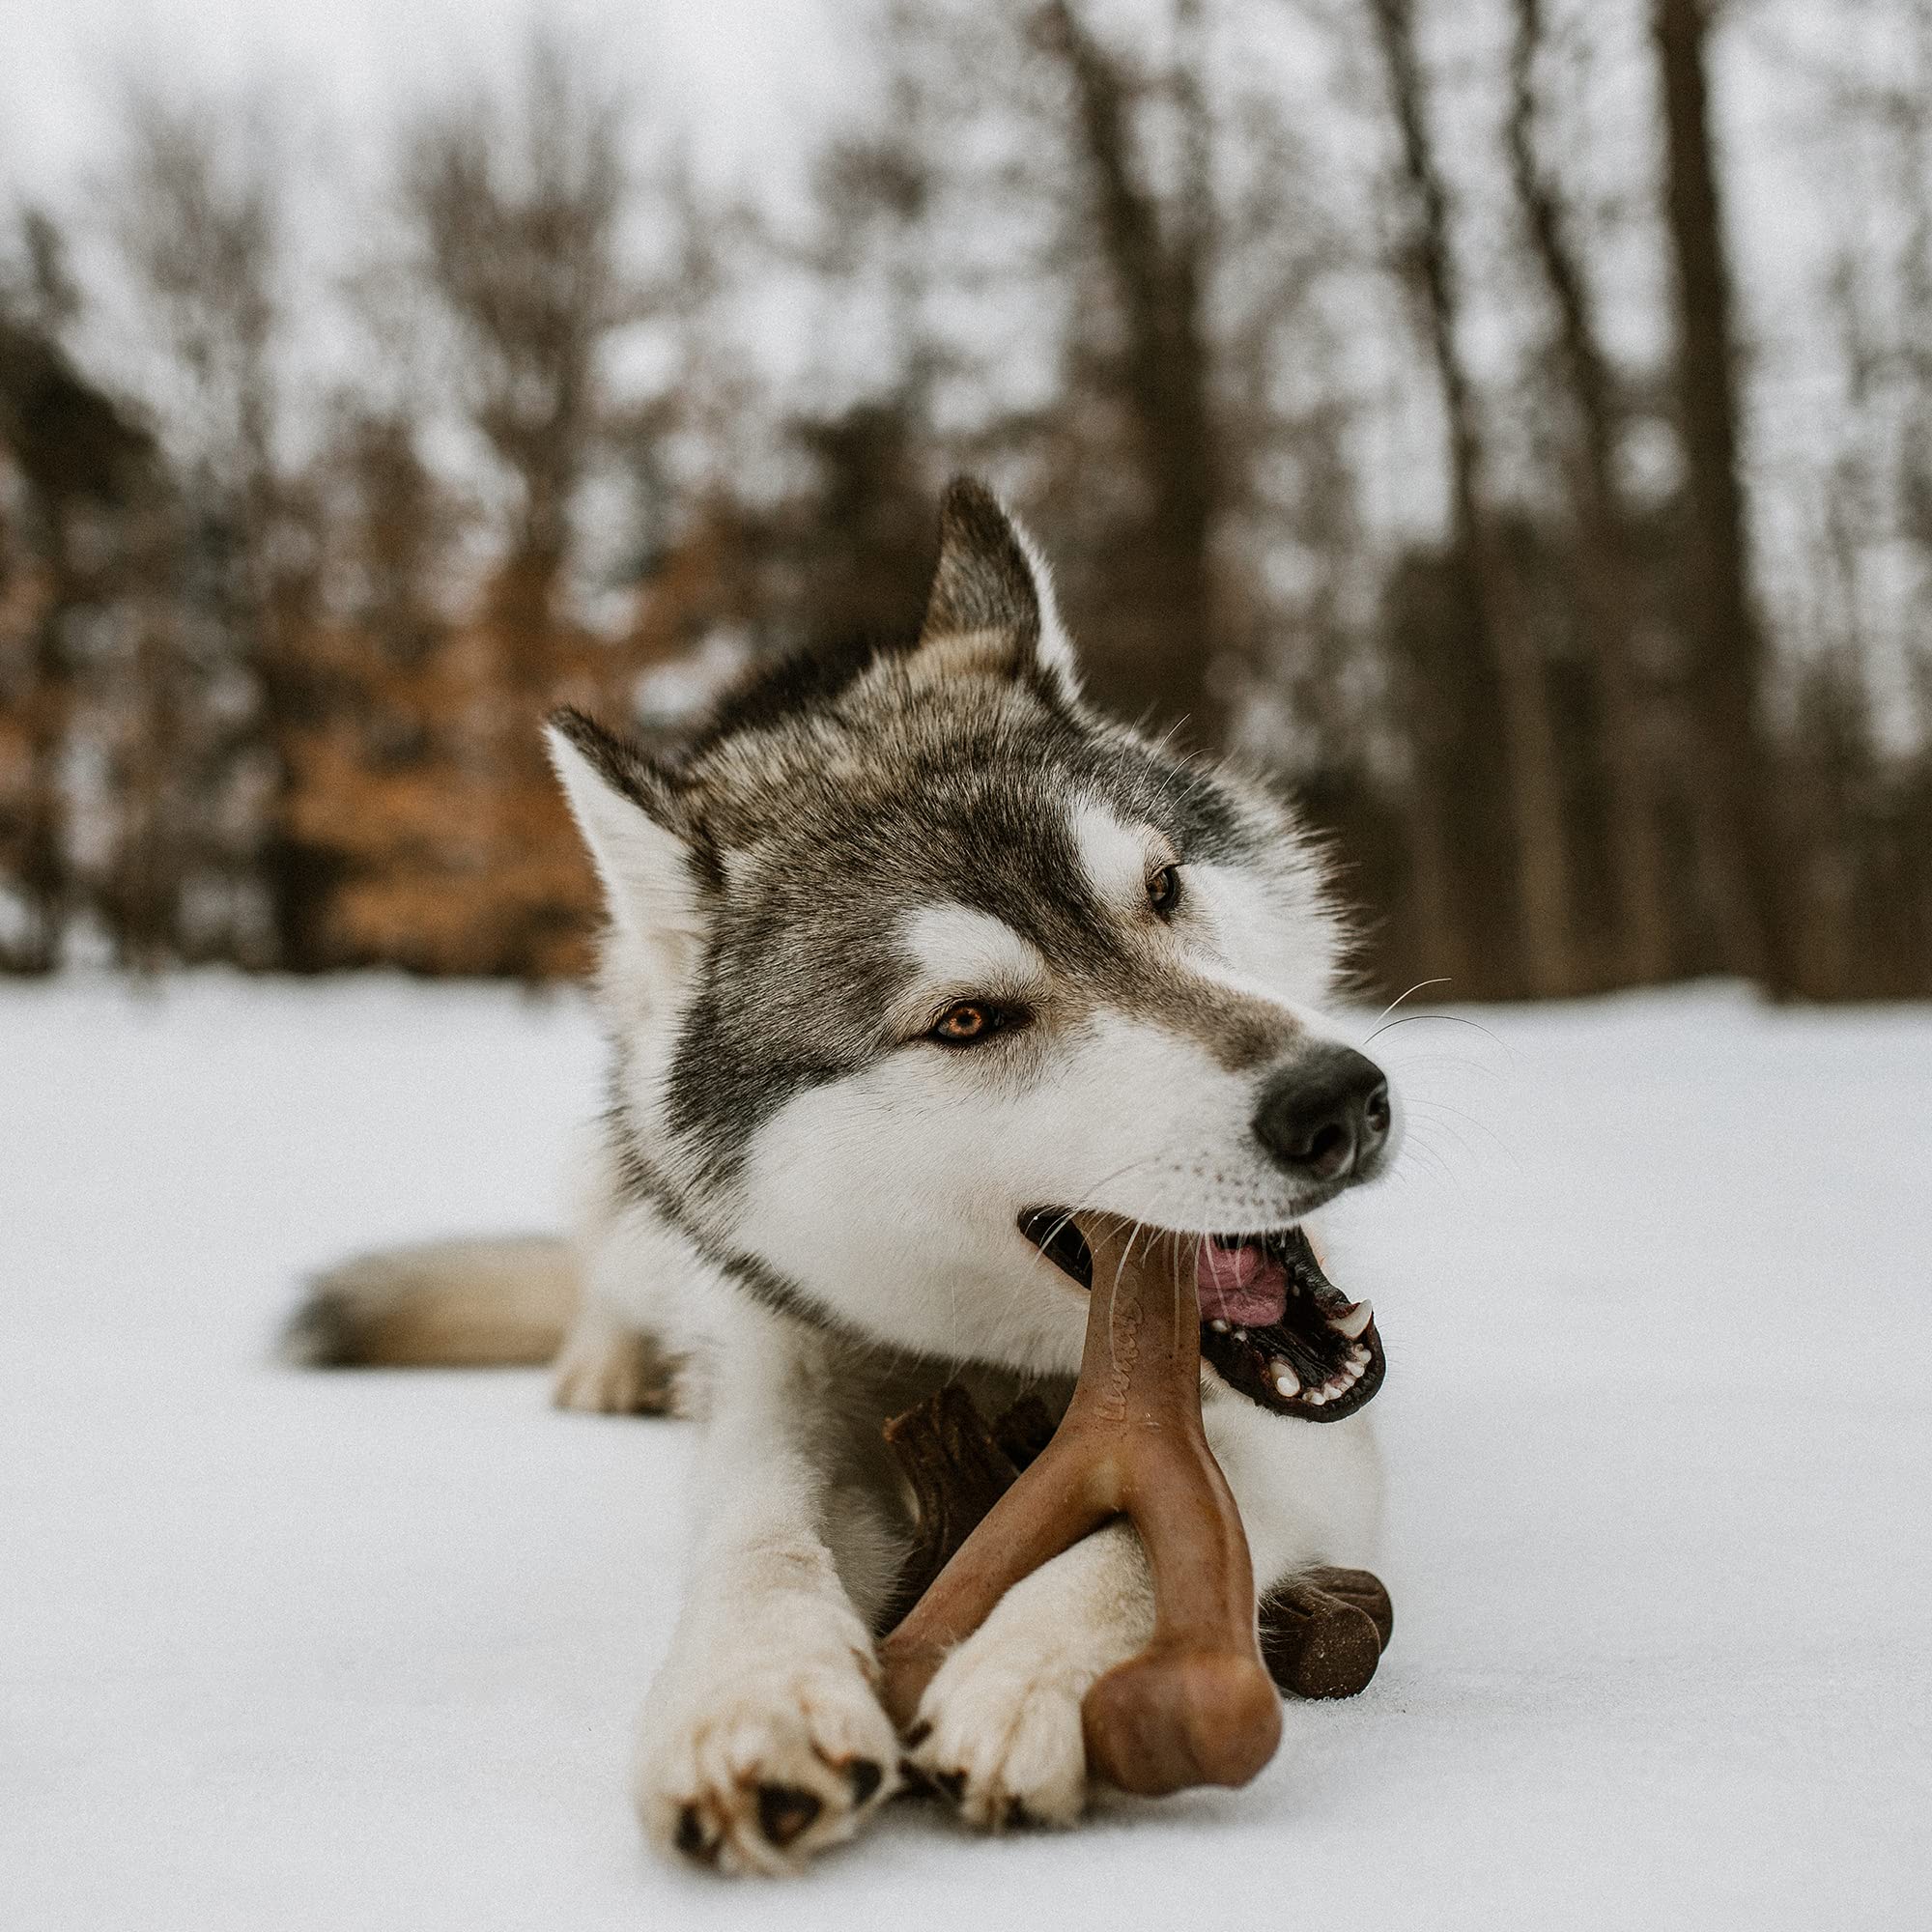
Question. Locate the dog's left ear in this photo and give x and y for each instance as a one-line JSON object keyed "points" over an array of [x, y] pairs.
{"points": [[991, 611], [641, 841]]}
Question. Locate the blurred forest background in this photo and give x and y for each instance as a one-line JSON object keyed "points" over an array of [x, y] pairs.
{"points": [[1376, 372]]}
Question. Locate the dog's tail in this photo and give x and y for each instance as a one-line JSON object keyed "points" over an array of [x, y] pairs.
{"points": [[445, 1304]]}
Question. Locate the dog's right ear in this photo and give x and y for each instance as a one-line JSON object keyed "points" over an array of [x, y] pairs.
{"points": [[640, 836], [991, 610]]}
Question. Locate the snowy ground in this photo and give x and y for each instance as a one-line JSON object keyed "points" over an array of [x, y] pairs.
{"points": [[290, 1652]]}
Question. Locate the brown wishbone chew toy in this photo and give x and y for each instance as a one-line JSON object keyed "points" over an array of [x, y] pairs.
{"points": [[1197, 1705]]}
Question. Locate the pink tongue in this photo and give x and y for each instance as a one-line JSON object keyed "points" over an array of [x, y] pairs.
{"points": [[1241, 1285]]}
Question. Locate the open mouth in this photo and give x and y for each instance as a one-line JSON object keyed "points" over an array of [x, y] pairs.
{"points": [[1272, 1324]]}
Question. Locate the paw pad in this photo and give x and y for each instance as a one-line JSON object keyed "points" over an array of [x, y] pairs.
{"points": [[785, 1811], [691, 1840]]}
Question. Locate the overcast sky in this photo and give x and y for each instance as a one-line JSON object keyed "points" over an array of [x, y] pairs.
{"points": [[762, 70]]}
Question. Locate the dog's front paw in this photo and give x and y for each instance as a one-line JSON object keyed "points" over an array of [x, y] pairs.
{"points": [[769, 1768], [999, 1731]]}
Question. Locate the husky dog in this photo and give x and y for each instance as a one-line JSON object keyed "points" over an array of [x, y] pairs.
{"points": [[910, 954]]}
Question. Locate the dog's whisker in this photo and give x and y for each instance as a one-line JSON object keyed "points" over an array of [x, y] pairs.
{"points": [[1463, 1146], [1067, 1215], [1440, 981], [1408, 1062], [1420, 1146], [1462, 1113], [1198, 1243], [1446, 1019]]}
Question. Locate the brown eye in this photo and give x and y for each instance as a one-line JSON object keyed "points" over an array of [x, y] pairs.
{"points": [[961, 1025], [1164, 891], [968, 1022]]}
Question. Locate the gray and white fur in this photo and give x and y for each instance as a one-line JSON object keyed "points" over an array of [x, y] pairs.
{"points": [[805, 1194]]}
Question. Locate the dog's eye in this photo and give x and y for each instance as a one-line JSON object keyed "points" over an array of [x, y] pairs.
{"points": [[962, 1024], [967, 1022], [1164, 891]]}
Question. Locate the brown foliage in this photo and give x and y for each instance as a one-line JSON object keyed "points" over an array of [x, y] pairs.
{"points": [[424, 794]]}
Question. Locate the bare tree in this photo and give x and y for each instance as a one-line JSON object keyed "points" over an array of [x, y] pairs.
{"points": [[1606, 567], [82, 468], [1906, 109], [197, 205], [246, 711], [1735, 780], [1533, 779], [391, 526], [513, 208], [1155, 259]]}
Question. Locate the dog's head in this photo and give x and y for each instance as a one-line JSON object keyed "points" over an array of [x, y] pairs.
{"points": [[911, 952]]}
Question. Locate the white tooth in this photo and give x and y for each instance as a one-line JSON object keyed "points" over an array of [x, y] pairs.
{"points": [[1354, 1322], [1319, 1395], [1240, 1334], [1360, 1356], [1220, 1327], [1285, 1380]]}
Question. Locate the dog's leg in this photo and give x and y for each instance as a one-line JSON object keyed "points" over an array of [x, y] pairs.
{"points": [[621, 1354], [607, 1367], [642, 1281], [763, 1739], [999, 1728]]}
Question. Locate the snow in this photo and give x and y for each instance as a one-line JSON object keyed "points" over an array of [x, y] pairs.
{"points": [[334, 1651]]}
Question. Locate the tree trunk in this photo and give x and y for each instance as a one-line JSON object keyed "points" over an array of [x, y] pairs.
{"points": [[1605, 565], [1734, 789], [42, 870], [1157, 277], [1535, 799]]}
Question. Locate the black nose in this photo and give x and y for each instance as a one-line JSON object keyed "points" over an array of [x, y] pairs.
{"points": [[1326, 1114]]}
